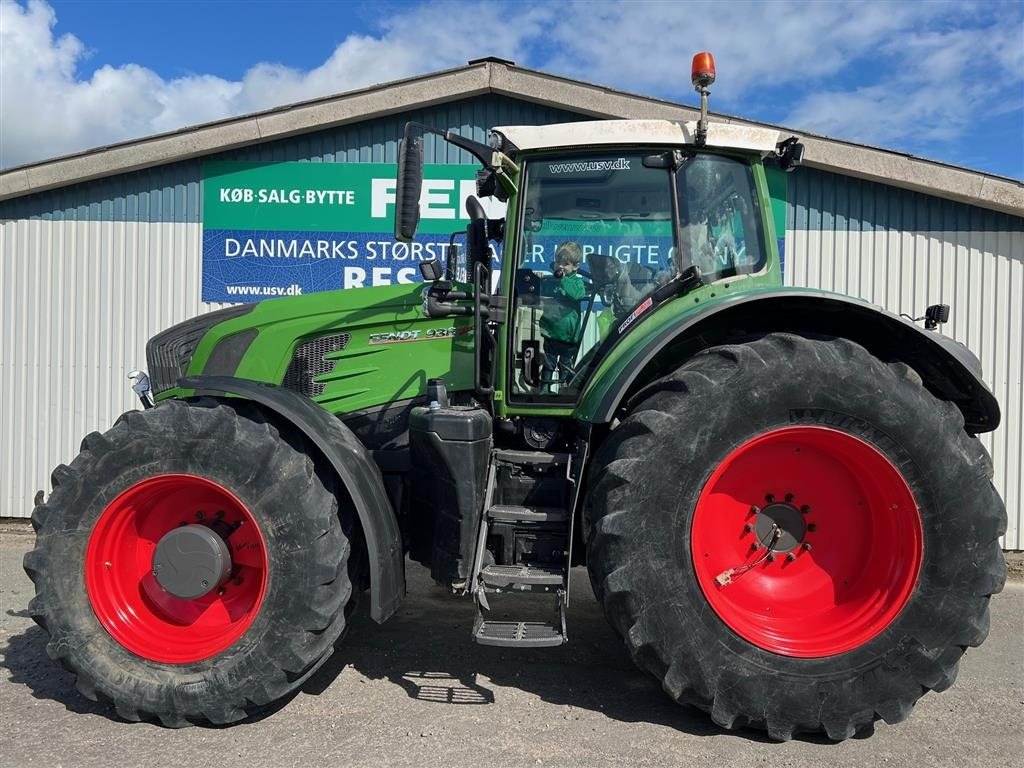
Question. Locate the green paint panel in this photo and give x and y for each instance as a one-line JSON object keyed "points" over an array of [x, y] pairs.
{"points": [[778, 192], [392, 351]]}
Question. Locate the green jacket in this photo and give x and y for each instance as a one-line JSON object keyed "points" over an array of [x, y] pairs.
{"points": [[561, 318]]}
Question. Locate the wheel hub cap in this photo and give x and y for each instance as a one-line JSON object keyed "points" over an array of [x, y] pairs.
{"points": [[191, 561], [780, 527]]}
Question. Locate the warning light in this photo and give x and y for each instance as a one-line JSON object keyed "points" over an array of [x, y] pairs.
{"points": [[702, 73]]}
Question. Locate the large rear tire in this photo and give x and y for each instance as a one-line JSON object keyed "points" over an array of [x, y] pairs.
{"points": [[181, 479], [794, 536]]}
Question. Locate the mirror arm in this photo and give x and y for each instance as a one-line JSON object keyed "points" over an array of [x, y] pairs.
{"points": [[436, 308], [480, 151]]}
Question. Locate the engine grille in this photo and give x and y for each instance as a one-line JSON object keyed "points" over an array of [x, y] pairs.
{"points": [[169, 353], [308, 362]]}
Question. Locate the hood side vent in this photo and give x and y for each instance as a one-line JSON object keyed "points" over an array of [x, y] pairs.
{"points": [[308, 362]]}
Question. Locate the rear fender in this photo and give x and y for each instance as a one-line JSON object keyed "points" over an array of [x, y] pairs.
{"points": [[948, 369], [354, 467]]}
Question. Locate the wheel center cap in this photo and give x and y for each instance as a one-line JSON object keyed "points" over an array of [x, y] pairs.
{"points": [[790, 523], [191, 561]]}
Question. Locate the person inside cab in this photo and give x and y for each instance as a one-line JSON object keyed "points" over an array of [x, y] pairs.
{"points": [[560, 323]]}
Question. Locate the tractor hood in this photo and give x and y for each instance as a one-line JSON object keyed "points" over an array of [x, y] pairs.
{"points": [[346, 349]]}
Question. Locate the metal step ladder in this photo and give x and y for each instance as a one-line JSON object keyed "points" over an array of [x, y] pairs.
{"points": [[547, 577]]}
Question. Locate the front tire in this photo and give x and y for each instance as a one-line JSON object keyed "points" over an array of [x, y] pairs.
{"points": [[795, 536], [246, 620]]}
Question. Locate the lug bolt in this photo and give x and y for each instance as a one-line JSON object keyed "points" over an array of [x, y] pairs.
{"points": [[748, 527], [790, 557], [771, 557], [805, 509], [789, 497], [769, 497], [811, 527], [200, 514], [807, 547], [219, 514], [754, 510], [221, 591], [108, 564]]}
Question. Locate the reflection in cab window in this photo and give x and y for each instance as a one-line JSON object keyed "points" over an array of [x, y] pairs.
{"points": [[719, 221], [599, 236]]}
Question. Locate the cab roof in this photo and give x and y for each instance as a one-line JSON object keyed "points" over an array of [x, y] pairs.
{"points": [[640, 132]]}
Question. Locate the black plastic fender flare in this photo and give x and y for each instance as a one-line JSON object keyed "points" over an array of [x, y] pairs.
{"points": [[948, 369], [355, 468]]}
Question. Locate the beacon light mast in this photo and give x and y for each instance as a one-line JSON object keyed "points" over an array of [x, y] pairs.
{"points": [[702, 75]]}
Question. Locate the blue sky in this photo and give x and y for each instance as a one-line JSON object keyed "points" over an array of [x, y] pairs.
{"points": [[939, 80]]}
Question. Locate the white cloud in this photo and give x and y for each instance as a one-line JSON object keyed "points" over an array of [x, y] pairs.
{"points": [[888, 73], [932, 85], [650, 45], [47, 109]]}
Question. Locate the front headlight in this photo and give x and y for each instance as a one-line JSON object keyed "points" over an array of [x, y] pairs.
{"points": [[169, 353]]}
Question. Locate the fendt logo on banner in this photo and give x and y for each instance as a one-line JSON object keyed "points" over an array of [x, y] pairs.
{"points": [[286, 229]]}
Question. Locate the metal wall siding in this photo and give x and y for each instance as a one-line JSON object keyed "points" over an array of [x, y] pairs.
{"points": [[165, 193], [78, 300], [903, 251]]}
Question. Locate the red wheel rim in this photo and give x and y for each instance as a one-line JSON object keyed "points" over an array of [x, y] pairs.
{"points": [[851, 567], [126, 598]]}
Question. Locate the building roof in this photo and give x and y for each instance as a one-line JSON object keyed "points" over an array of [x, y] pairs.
{"points": [[491, 75]]}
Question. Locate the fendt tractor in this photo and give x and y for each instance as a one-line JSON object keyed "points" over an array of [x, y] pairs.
{"points": [[778, 493]]}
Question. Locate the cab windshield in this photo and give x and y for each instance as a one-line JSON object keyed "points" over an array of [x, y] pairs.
{"points": [[600, 233]]}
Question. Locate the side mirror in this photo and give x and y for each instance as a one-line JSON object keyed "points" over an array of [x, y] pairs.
{"points": [[409, 184], [431, 270]]}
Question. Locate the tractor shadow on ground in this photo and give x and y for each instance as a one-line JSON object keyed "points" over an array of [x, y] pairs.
{"points": [[426, 650], [25, 660]]}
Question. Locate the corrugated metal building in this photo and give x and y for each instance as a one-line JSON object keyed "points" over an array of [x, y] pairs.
{"points": [[99, 251]]}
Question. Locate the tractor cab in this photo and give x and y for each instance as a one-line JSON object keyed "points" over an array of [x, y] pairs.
{"points": [[606, 222]]}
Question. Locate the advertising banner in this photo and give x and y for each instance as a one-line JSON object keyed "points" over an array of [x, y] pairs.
{"points": [[285, 229]]}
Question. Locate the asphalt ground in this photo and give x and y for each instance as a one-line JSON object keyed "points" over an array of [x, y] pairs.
{"points": [[417, 692]]}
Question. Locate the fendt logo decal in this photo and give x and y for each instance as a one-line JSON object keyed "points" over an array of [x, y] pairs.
{"points": [[431, 334]]}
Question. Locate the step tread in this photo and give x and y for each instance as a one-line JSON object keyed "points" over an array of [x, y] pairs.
{"points": [[524, 575], [515, 456], [506, 512], [534, 634]]}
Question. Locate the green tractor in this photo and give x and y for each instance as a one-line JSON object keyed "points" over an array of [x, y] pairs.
{"points": [[778, 493]]}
